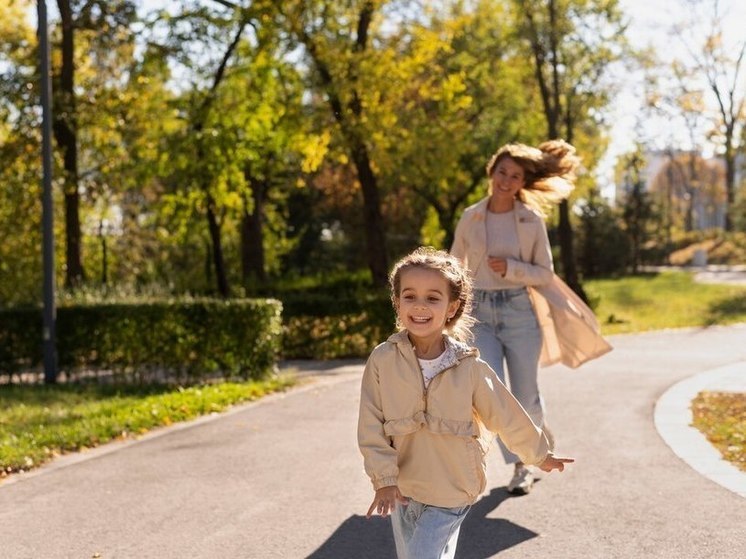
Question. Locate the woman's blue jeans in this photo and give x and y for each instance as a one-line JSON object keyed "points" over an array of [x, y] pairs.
{"points": [[508, 334], [426, 532]]}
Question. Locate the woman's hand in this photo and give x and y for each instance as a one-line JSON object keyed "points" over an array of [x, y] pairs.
{"points": [[498, 265], [385, 501], [554, 463]]}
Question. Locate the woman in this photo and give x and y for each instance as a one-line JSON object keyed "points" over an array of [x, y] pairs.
{"points": [[503, 241]]}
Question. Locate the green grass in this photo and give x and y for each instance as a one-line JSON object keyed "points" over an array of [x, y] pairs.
{"points": [[721, 416], [39, 422], [666, 300]]}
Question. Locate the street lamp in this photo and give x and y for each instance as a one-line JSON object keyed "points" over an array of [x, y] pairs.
{"points": [[48, 332]]}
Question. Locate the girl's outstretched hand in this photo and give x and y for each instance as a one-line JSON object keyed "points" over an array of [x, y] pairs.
{"points": [[385, 501], [554, 463]]}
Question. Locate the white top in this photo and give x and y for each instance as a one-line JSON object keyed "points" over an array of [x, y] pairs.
{"points": [[502, 241], [431, 367]]}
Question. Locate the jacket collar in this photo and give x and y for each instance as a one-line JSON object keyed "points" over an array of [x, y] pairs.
{"points": [[455, 350]]}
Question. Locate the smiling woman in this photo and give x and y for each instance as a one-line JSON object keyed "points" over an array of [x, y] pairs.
{"points": [[503, 241]]}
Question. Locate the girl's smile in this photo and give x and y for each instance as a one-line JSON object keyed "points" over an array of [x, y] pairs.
{"points": [[424, 306]]}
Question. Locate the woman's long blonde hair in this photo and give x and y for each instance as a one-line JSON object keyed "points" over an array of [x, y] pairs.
{"points": [[549, 171]]}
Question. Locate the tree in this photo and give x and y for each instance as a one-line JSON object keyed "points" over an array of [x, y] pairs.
{"points": [[106, 18], [721, 65], [604, 247], [690, 189], [20, 148], [637, 209], [246, 142], [337, 42], [459, 91], [572, 44]]}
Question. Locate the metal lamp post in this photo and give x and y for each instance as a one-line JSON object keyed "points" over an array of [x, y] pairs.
{"points": [[50, 312]]}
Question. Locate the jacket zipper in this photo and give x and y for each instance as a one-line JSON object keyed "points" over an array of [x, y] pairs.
{"points": [[422, 379]]}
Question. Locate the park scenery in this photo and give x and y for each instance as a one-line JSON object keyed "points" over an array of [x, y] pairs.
{"points": [[215, 191]]}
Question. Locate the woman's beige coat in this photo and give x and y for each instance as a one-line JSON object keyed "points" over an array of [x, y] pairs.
{"points": [[431, 442], [570, 331]]}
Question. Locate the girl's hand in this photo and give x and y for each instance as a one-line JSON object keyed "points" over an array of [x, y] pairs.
{"points": [[385, 501], [498, 265], [554, 463]]}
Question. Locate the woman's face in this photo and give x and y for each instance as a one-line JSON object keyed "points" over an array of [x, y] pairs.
{"points": [[507, 178]]}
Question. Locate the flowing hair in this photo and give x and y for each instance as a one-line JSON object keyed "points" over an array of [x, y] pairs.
{"points": [[459, 286], [549, 172]]}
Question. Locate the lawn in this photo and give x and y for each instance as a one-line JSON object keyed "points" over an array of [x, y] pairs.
{"points": [[665, 300], [39, 422]]}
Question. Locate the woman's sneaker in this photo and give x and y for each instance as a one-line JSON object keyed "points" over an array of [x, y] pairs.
{"points": [[522, 482]]}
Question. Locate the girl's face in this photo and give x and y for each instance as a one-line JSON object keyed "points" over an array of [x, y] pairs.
{"points": [[423, 303], [507, 178]]}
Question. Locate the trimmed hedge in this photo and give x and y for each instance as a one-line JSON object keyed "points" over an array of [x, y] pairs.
{"points": [[333, 326], [187, 341]]}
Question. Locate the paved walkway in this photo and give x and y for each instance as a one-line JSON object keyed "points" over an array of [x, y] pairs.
{"points": [[712, 273], [282, 478]]}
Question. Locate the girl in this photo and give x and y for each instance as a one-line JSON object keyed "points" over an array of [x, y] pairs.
{"points": [[503, 242], [429, 409]]}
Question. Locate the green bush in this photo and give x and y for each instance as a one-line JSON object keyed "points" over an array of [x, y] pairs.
{"points": [[332, 326], [187, 341]]}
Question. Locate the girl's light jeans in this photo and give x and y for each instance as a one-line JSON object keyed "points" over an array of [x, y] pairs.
{"points": [[507, 333], [426, 532]]}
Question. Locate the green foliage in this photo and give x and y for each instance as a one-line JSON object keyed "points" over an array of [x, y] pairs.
{"points": [[603, 245], [332, 326], [186, 341], [39, 422]]}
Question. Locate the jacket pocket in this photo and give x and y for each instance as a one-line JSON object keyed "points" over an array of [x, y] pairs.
{"points": [[405, 425], [442, 426], [478, 465]]}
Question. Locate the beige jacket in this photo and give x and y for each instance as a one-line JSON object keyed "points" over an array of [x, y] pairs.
{"points": [[432, 442], [470, 244], [570, 331]]}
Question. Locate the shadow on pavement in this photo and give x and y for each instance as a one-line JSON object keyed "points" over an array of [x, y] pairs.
{"points": [[480, 537]]}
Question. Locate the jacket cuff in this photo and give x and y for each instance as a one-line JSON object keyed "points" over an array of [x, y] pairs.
{"points": [[384, 482]]}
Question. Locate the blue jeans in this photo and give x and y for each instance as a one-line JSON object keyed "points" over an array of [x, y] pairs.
{"points": [[507, 333], [426, 532]]}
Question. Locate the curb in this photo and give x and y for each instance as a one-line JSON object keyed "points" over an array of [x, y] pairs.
{"points": [[673, 419]]}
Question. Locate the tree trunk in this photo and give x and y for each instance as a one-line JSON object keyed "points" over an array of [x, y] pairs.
{"points": [[65, 132], [217, 248], [730, 180], [547, 69], [252, 236], [373, 217], [375, 238]]}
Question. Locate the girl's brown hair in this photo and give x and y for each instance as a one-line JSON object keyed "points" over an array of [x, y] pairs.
{"points": [[549, 171], [459, 283]]}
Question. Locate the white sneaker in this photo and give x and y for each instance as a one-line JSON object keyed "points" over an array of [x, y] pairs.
{"points": [[522, 481]]}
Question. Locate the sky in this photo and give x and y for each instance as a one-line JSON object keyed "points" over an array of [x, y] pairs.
{"points": [[650, 22]]}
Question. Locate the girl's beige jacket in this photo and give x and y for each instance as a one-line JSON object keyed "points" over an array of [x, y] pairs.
{"points": [[432, 442], [569, 328]]}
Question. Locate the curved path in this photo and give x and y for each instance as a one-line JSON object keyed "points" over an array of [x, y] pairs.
{"points": [[282, 478]]}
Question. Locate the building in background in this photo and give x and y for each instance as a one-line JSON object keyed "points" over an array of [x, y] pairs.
{"points": [[687, 187]]}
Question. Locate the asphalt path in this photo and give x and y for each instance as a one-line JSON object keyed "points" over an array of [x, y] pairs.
{"points": [[282, 477]]}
